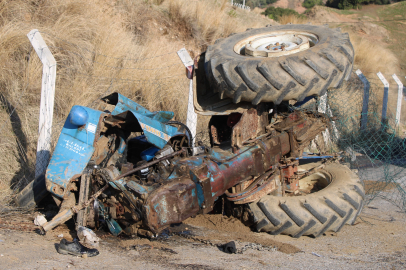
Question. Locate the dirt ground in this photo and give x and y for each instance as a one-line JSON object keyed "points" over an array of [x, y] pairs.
{"points": [[376, 241]]}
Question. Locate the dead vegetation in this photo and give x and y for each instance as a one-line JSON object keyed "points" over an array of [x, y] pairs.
{"points": [[100, 47], [105, 46]]}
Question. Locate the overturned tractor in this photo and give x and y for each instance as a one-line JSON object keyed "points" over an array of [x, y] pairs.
{"points": [[136, 171]]}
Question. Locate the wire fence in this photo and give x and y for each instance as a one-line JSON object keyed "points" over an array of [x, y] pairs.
{"points": [[377, 150]]}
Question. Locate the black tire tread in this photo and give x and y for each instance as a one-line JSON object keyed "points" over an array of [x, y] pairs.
{"points": [[245, 78], [326, 210]]}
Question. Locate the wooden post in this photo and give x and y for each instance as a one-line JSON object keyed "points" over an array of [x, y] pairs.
{"points": [[400, 94], [385, 96], [47, 101], [191, 118], [365, 101]]}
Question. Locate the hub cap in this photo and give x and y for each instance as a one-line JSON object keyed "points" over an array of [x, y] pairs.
{"points": [[275, 44]]}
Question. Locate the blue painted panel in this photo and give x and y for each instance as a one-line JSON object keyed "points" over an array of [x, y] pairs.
{"points": [[125, 104], [152, 123], [73, 150], [85, 133], [200, 194], [163, 116], [70, 157], [156, 132]]}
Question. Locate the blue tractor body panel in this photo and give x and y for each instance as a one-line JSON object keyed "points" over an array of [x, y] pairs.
{"points": [[72, 152], [152, 123], [75, 145]]}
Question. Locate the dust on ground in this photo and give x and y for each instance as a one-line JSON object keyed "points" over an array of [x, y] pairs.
{"points": [[374, 186], [225, 229], [292, 4], [376, 241]]}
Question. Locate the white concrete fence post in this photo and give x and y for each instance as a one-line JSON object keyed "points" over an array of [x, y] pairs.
{"points": [[365, 100], [191, 118], [400, 95], [47, 101], [385, 96]]}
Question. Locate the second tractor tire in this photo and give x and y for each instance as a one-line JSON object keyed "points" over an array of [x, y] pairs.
{"points": [[295, 76], [328, 209]]}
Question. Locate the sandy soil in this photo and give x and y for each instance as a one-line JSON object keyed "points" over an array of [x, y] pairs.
{"points": [[376, 241], [292, 4]]}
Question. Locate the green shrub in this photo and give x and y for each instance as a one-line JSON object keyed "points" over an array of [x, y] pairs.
{"points": [[356, 4], [275, 13], [312, 3]]}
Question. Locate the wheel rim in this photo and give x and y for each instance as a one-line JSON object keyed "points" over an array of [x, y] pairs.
{"points": [[314, 182], [275, 44]]}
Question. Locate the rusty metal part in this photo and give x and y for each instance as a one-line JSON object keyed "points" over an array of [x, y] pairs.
{"points": [[266, 188], [245, 129], [111, 172], [214, 135], [199, 175], [146, 165], [81, 219], [171, 203], [253, 183], [101, 127], [77, 208], [115, 123], [289, 177], [253, 194], [254, 189], [196, 182], [313, 170], [102, 149]]}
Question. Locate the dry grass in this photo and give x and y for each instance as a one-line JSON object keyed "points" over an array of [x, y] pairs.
{"points": [[98, 45], [209, 20], [373, 57], [292, 19]]}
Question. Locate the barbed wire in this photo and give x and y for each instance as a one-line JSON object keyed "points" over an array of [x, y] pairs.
{"points": [[107, 56], [168, 78], [114, 67]]}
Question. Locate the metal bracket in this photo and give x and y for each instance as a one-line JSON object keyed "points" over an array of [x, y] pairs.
{"points": [[201, 177]]}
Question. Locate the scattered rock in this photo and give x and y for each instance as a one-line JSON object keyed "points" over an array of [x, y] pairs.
{"points": [[229, 247]]}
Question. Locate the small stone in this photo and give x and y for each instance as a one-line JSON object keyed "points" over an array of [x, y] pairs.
{"points": [[84, 256]]}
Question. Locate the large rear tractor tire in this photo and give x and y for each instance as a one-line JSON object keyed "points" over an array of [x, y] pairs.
{"points": [[338, 202], [286, 62]]}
